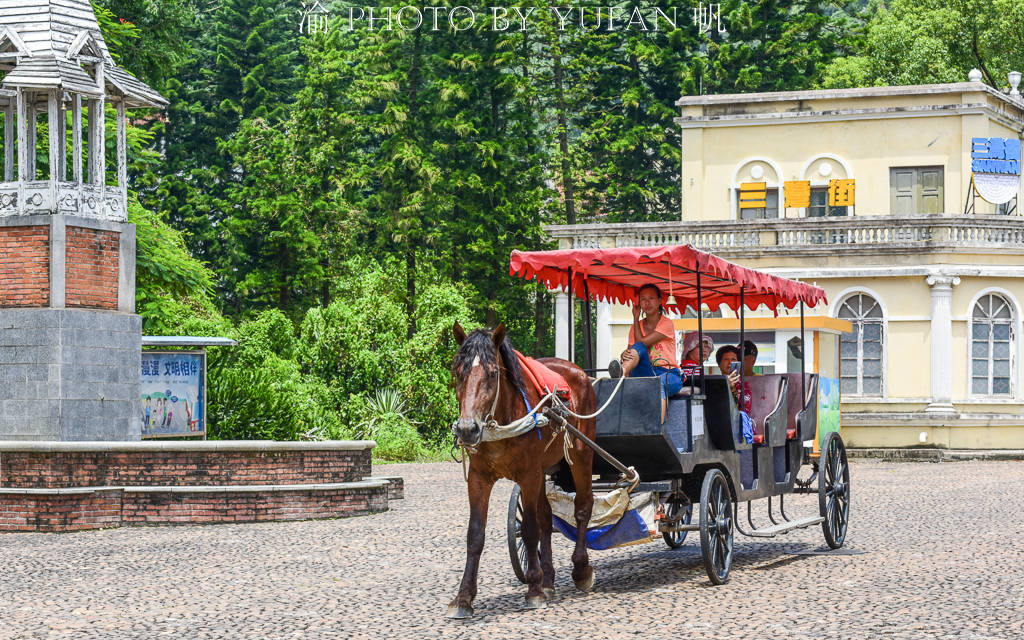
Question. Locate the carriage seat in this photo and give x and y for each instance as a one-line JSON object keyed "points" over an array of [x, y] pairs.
{"points": [[767, 404], [793, 404]]}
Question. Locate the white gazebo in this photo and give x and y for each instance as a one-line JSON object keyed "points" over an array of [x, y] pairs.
{"points": [[54, 60], [70, 340]]}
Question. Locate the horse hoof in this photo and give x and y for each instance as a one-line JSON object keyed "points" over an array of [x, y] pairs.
{"points": [[536, 603], [587, 583], [459, 613], [549, 592]]}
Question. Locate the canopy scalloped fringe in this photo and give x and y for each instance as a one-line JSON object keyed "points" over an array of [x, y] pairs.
{"points": [[615, 275]]}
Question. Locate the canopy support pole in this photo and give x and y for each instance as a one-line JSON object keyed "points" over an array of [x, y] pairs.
{"points": [[803, 355], [588, 346], [743, 355], [572, 320], [700, 332]]}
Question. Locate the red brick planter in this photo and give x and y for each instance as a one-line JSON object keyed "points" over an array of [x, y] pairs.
{"points": [[71, 486]]}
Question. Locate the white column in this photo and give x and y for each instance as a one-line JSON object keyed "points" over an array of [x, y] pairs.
{"points": [[941, 365], [605, 349], [562, 334]]}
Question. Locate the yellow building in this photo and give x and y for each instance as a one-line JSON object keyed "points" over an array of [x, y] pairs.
{"points": [[930, 276]]}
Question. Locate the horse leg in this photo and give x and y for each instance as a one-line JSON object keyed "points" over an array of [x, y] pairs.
{"points": [[531, 491], [479, 497], [582, 469], [546, 562]]}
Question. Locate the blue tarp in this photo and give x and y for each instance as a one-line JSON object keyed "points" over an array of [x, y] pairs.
{"points": [[630, 528]]}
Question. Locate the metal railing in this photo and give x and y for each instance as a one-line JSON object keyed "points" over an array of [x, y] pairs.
{"points": [[864, 233]]}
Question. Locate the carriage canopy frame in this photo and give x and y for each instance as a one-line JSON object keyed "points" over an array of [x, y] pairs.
{"points": [[690, 275]]}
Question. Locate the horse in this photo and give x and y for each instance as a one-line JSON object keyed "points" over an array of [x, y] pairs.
{"points": [[489, 386]]}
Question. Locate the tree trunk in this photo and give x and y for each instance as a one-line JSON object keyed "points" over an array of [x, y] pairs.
{"points": [[563, 136], [410, 288]]}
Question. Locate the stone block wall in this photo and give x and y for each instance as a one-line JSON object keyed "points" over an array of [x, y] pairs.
{"points": [[91, 268], [25, 266], [69, 374]]}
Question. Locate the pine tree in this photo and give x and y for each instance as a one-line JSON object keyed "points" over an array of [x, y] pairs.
{"points": [[244, 67]]}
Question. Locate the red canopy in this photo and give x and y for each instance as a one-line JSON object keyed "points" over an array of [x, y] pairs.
{"points": [[617, 274]]}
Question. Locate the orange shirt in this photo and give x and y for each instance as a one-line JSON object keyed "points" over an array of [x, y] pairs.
{"points": [[663, 354]]}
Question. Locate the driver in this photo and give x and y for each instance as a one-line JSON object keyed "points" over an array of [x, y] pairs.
{"points": [[652, 346]]}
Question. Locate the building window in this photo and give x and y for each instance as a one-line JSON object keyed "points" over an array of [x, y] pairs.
{"points": [[771, 210], [991, 346], [916, 190], [861, 350], [819, 207]]}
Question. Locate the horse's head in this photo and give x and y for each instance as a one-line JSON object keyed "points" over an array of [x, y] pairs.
{"points": [[477, 371]]}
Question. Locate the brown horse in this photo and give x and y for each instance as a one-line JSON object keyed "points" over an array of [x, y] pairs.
{"points": [[489, 385]]}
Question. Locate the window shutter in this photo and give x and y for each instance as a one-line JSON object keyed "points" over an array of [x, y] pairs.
{"points": [[901, 191], [931, 180]]}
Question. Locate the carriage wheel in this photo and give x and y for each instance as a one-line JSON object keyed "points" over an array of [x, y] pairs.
{"points": [[716, 526], [675, 539], [834, 490], [516, 544]]}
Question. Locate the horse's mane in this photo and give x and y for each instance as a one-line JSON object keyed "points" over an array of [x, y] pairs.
{"points": [[479, 343]]}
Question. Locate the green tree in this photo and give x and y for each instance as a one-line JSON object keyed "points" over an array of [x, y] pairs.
{"points": [[772, 45], [243, 66], [923, 42]]}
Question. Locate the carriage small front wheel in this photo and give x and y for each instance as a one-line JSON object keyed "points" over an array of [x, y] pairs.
{"points": [[516, 544], [675, 539], [716, 526]]}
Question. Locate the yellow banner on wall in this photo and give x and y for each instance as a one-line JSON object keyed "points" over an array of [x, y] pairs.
{"points": [[840, 193], [753, 195], [798, 193]]}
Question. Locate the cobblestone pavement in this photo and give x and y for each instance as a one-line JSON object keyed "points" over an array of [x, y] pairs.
{"points": [[934, 551]]}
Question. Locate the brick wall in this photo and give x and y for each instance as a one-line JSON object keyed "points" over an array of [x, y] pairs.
{"points": [[114, 507], [60, 512], [59, 469], [250, 506], [25, 266], [90, 268]]}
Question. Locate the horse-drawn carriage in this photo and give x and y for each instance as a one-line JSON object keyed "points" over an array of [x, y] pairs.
{"points": [[698, 455], [703, 453]]}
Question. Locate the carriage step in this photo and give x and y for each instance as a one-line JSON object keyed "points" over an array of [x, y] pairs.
{"points": [[660, 487], [784, 527]]}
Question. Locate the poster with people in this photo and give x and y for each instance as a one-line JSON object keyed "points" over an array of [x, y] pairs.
{"points": [[173, 401]]}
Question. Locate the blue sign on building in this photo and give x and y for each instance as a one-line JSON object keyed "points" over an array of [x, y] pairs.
{"points": [[995, 155]]}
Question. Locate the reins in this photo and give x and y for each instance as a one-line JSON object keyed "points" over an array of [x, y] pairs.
{"points": [[534, 418]]}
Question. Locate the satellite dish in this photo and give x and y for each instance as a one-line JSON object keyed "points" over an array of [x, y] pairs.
{"points": [[996, 188]]}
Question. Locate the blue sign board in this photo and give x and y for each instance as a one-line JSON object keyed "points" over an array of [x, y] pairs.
{"points": [[995, 155], [173, 393]]}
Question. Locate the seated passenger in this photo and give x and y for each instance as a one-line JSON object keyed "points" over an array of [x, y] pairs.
{"points": [[652, 346], [749, 358], [725, 356], [694, 356]]}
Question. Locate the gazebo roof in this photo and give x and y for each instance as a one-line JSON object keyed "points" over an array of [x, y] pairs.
{"points": [[53, 40]]}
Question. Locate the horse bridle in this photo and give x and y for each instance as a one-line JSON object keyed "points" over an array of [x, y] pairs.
{"points": [[489, 421]]}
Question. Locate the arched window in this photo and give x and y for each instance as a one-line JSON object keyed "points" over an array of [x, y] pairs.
{"points": [[991, 346], [861, 350]]}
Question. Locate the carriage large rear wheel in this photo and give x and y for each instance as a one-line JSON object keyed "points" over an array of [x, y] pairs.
{"points": [[716, 526], [834, 490], [516, 544]]}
